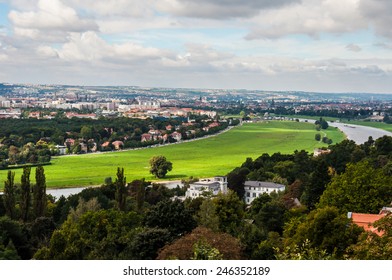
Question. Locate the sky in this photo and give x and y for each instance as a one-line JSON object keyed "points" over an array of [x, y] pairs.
{"points": [[283, 45]]}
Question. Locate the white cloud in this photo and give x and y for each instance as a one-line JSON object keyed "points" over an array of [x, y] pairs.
{"points": [[49, 16], [353, 48], [47, 52], [114, 8], [218, 9], [378, 13], [310, 17], [89, 47]]}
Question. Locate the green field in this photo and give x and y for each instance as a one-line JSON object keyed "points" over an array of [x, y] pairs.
{"points": [[216, 155]]}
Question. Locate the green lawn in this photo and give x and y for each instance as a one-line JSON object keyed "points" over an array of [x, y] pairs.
{"points": [[203, 158]]}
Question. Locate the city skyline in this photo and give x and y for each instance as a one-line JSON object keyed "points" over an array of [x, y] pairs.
{"points": [[308, 45]]}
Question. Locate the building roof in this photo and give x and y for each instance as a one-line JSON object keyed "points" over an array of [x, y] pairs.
{"points": [[366, 221], [263, 184]]}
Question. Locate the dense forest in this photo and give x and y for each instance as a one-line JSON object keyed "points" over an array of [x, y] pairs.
{"points": [[137, 220]]}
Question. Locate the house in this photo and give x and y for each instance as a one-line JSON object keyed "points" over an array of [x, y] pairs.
{"points": [[216, 185], [105, 144], [62, 149], [176, 136], [69, 142], [169, 127], [118, 145], [255, 189], [319, 152], [366, 221], [34, 115], [146, 137]]}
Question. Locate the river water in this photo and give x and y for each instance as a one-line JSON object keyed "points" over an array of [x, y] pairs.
{"points": [[358, 133]]}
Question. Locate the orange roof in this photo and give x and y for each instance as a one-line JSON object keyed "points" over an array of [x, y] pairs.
{"points": [[366, 221]]}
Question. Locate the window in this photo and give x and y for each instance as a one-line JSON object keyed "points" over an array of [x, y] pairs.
{"points": [[254, 194], [248, 194]]}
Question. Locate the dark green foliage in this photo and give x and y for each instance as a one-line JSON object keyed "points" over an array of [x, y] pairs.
{"points": [[171, 215], [316, 185], [8, 252], [251, 236], [14, 232], [138, 192], [146, 244], [383, 145], [121, 189], [41, 230], [9, 196], [325, 229], [236, 180], [39, 193], [230, 211], [156, 193], [159, 166], [25, 196], [340, 155], [317, 137], [360, 189], [266, 250], [323, 123], [103, 235], [271, 217]]}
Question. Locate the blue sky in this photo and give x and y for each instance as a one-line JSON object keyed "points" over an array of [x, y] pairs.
{"points": [[309, 45]]}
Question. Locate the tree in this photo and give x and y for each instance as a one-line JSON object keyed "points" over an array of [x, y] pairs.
{"points": [[9, 195], [202, 250], [207, 216], [146, 244], [316, 185], [25, 196], [361, 188], [39, 192], [121, 189], [14, 232], [215, 245], [159, 166], [138, 192], [99, 235], [171, 215], [230, 211], [324, 229], [236, 180], [317, 137]]}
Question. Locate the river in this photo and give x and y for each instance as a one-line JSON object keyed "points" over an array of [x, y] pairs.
{"points": [[358, 133]]}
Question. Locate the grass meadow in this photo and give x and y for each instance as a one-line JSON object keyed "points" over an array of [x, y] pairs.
{"points": [[212, 156]]}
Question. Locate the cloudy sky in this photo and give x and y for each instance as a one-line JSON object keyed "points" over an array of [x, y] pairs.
{"points": [[310, 45]]}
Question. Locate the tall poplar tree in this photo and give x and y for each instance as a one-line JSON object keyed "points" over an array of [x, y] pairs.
{"points": [[39, 192], [121, 189], [9, 195], [25, 196]]}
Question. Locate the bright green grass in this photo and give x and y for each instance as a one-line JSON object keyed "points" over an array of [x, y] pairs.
{"points": [[203, 158]]}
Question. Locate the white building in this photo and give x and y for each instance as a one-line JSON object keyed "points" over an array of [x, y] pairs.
{"points": [[214, 186], [255, 189]]}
